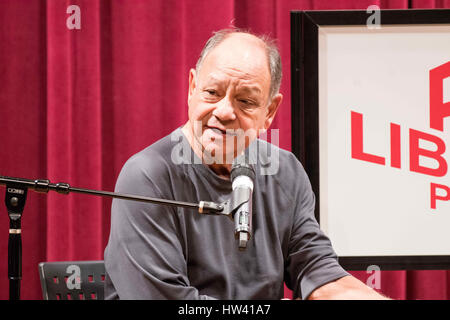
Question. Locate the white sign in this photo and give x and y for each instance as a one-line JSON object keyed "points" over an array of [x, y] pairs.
{"points": [[384, 134]]}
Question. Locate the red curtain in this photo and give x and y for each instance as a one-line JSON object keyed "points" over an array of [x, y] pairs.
{"points": [[75, 104]]}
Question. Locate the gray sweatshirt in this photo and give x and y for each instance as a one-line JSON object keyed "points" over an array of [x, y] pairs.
{"points": [[164, 252]]}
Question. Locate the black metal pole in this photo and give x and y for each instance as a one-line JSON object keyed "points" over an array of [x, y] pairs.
{"points": [[15, 199], [14, 265]]}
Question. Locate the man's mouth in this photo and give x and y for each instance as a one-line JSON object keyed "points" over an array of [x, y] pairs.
{"points": [[217, 130], [221, 131]]}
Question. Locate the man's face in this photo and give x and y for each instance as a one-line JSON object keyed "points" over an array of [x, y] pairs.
{"points": [[229, 98]]}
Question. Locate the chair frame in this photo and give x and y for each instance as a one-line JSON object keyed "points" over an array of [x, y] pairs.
{"points": [[72, 280]]}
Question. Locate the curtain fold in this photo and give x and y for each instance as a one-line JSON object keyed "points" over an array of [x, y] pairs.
{"points": [[74, 146], [75, 104]]}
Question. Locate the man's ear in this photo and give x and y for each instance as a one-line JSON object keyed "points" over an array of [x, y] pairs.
{"points": [[192, 82], [272, 110]]}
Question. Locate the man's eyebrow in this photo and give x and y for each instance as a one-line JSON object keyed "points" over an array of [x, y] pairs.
{"points": [[250, 89]]}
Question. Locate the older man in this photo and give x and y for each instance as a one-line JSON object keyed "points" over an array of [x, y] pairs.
{"points": [[158, 252]]}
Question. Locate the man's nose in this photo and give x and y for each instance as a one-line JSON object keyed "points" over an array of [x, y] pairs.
{"points": [[224, 110]]}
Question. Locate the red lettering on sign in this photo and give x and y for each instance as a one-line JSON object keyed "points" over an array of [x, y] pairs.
{"points": [[395, 146], [357, 141], [438, 109], [434, 196], [415, 152]]}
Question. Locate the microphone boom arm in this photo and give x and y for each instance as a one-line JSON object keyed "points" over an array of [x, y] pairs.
{"points": [[16, 193], [44, 186], [226, 208]]}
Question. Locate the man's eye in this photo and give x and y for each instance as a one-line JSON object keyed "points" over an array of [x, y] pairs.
{"points": [[246, 102], [211, 92]]}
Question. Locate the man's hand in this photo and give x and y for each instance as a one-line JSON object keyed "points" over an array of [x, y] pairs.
{"points": [[345, 288]]}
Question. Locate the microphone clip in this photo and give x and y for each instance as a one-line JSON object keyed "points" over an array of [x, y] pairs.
{"points": [[227, 208], [236, 209]]}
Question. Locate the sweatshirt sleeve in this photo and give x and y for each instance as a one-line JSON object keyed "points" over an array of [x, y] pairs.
{"points": [[311, 260]]}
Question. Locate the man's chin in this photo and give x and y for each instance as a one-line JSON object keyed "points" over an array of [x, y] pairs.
{"points": [[218, 156]]}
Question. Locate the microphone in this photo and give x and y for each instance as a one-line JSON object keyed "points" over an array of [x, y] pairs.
{"points": [[242, 177]]}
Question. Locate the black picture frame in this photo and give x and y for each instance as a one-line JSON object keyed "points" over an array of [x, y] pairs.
{"points": [[305, 108]]}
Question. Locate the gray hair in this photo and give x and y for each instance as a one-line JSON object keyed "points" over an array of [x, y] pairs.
{"points": [[273, 55]]}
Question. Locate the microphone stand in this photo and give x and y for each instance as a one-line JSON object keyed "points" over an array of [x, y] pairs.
{"points": [[16, 195]]}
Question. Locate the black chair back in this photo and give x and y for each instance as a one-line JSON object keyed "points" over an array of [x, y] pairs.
{"points": [[72, 280]]}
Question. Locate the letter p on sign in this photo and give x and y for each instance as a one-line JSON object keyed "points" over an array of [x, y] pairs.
{"points": [[435, 196]]}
